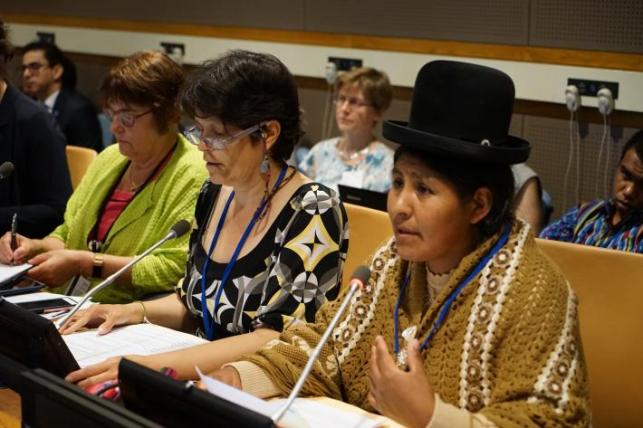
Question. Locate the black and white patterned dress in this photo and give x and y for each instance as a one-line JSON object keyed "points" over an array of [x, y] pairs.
{"points": [[293, 270]]}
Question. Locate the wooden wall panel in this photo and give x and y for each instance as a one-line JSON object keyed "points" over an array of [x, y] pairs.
{"points": [[615, 25], [282, 14], [492, 21]]}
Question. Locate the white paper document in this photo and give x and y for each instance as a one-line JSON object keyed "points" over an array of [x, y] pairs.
{"points": [[35, 297], [9, 272], [88, 347], [303, 412]]}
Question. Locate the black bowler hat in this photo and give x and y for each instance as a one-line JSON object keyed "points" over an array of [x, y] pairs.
{"points": [[461, 110]]}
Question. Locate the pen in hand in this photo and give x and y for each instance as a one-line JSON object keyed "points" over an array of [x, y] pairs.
{"points": [[14, 232]]}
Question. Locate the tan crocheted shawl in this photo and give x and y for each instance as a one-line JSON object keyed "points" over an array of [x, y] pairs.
{"points": [[510, 347]]}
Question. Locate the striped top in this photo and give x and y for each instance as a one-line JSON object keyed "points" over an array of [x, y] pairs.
{"points": [[589, 224]]}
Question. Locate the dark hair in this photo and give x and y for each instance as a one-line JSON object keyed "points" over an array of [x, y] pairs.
{"points": [[148, 79], [70, 76], [55, 56], [374, 84], [51, 52], [243, 89], [635, 142], [5, 48], [467, 176]]}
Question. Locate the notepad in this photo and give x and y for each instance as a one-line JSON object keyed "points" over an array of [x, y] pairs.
{"points": [[88, 347], [10, 272]]}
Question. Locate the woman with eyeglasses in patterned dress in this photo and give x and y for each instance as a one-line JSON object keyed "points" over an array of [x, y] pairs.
{"points": [[131, 195], [268, 244], [356, 158]]}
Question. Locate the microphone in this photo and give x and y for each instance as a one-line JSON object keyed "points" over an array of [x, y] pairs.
{"points": [[358, 280], [179, 229], [6, 169]]}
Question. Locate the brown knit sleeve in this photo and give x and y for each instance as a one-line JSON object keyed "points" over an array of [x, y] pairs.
{"points": [[284, 359]]}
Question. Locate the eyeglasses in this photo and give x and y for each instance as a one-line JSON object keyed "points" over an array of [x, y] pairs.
{"points": [[33, 67], [125, 118], [195, 136], [352, 101]]}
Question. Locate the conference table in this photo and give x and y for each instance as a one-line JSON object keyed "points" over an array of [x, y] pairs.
{"points": [[10, 404], [10, 412]]}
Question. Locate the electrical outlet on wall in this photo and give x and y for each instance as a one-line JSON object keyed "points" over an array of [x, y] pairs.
{"points": [[345, 64], [46, 37], [591, 87], [176, 51]]}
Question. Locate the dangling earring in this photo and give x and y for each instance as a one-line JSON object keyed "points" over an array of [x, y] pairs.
{"points": [[264, 167]]}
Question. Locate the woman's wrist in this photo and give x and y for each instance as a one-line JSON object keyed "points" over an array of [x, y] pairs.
{"points": [[86, 263], [136, 313], [36, 246], [144, 309]]}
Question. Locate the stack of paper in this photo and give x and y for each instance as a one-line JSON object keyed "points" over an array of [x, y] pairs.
{"points": [[88, 347]]}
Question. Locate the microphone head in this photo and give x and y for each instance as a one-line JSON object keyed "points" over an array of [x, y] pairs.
{"points": [[362, 274], [181, 228], [6, 169]]}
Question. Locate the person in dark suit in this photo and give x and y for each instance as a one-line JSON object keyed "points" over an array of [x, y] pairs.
{"points": [[50, 77], [38, 189]]}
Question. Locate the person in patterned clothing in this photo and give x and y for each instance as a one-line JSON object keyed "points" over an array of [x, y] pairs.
{"points": [[482, 327], [268, 244], [615, 223]]}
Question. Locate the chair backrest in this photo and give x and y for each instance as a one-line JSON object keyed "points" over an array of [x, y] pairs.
{"points": [[368, 229], [78, 160], [609, 286]]}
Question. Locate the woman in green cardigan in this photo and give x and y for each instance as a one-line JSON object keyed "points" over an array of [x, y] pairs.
{"points": [[131, 195]]}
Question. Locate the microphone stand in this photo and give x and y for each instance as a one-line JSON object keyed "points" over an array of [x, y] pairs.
{"points": [[110, 279], [355, 285]]}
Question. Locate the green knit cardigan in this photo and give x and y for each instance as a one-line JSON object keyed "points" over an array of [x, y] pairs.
{"points": [[148, 218]]}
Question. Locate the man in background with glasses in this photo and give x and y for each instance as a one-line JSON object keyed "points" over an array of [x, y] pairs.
{"points": [[50, 77]]}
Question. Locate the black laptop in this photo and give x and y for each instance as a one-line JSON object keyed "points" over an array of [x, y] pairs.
{"points": [[173, 403], [363, 197], [33, 340]]}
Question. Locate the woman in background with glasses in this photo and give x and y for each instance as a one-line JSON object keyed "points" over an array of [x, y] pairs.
{"points": [[268, 245], [131, 195], [356, 158]]}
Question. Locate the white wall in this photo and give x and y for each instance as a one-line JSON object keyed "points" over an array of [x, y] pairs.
{"points": [[534, 81]]}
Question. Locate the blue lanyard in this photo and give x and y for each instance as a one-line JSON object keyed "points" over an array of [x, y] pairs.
{"points": [[208, 321], [444, 311]]}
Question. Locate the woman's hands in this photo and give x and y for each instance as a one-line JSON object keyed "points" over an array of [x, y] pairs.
{"points": [[105, 317], [405, 396], [58, 266], [101, 372], [26, 249]]}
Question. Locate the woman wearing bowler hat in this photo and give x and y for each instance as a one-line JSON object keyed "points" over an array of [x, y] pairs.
{"points": [[464, 322]]}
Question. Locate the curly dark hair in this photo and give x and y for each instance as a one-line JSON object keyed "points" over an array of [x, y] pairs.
{"points": [[243, 89], [635, 142], [467, 176]]}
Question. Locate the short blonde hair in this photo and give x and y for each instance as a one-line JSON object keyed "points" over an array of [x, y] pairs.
{"points": [[373, 83]]}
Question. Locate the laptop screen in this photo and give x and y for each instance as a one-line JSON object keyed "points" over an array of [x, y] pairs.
{"points": [[363, 197]]}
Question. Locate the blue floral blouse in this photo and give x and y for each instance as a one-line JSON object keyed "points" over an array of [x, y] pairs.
{"points": [[322, 164]]}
